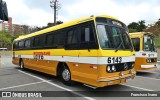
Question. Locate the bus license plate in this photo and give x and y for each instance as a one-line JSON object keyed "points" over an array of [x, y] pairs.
{"points": [[128, 79]]}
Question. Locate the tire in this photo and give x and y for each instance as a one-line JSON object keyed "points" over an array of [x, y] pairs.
{"points": [[21, 65], [66, 76]]}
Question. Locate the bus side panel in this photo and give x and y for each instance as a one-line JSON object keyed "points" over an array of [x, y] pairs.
{"points": [[44, 66], [15, 61], [84, 73]]}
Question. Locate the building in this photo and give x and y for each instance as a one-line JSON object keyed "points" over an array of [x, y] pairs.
{"points": [[14, 29], [6, 26]]}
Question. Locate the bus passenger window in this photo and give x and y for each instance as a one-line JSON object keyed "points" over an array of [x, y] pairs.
{"points": [[21, 44], [15, 45], [49, 40], [87, 37], [87, 34], [72, 39], [27, 43]]}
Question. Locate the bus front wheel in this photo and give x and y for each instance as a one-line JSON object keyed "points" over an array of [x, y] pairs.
{"points": [[21, 65]]}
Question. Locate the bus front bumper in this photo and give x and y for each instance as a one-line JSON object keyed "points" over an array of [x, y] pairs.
{"points": [[117, 79], [149, 66]]}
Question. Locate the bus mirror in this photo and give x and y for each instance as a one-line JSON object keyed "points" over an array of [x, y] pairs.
{"points": [[87, 34], [3, 11]]}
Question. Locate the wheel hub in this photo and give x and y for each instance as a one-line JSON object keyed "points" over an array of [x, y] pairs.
{"points": [[66, 75]]}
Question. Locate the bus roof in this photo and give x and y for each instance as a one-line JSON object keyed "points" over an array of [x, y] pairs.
{"points": [[74, 22], [140, 33]]}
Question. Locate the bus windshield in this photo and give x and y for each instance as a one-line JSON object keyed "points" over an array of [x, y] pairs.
{"points": [[148, 43], [113, 37]]}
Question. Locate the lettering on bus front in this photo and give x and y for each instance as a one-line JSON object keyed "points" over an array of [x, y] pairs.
{"points": [[114, 60]]}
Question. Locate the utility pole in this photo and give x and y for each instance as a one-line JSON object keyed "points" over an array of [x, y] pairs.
{"points": [[54, 4]]}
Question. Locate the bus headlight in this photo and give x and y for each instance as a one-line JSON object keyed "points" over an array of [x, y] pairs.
{"points": [[109, 68], [148, 60], [113, 68]]}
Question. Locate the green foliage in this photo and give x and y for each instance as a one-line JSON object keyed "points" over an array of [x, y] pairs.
{"points": [[131, 30], [137, 26], [157, 41], [6, 39], [36, 28], [133, 25]]}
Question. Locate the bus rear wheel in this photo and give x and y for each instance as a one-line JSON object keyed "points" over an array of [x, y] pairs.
{"points": [[66, 76], [21, 65]]}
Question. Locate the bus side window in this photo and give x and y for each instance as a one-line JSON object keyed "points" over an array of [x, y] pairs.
{"points": [[21, 44], [72, 39], [49, 40], [88, 37], [136, 43], [39, 41], [59, 40], [87, 34], [15, 45], [27, 44]]}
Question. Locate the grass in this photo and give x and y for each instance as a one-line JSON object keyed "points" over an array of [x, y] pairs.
{"points": [[157, 45], [157, 41]]}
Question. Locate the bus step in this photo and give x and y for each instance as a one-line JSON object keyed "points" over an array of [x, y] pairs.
{"points": [[90, 86]]}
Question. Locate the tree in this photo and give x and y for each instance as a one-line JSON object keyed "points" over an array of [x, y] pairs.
{"points": [[36, 28], [133, 25], [141, 25], [52, 24], [158, 22], [154, 28], [6, 39], [59, 22], [137, 26]]}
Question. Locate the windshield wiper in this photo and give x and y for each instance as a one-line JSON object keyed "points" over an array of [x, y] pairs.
{"points": [[118, 46]]}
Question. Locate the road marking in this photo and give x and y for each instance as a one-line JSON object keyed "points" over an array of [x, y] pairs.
{"points": [[21, 85], [137, 87], [53, 84], [149, 78]]}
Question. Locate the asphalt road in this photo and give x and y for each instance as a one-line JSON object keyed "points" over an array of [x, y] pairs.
{"points": [[14, 79]]}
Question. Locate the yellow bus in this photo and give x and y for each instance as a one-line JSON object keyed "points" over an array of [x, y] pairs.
{"points": [[94, 50], [146, 55]]}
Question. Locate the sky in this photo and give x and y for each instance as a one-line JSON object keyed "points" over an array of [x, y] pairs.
{"points": [[39, 12]]}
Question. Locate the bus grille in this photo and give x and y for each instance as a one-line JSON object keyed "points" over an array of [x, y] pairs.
{"points": [[120, 67]]}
